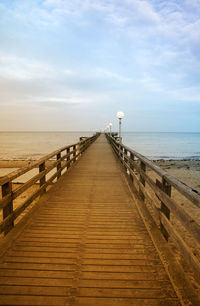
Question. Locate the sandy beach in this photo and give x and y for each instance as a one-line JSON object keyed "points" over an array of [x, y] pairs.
{"points": [[188, 171]]}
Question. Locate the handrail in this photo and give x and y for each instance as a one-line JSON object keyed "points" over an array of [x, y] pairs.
{"points": [[55, 160], [163, 205]]}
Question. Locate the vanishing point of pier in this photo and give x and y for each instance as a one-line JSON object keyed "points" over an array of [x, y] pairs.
{"points": [[89, 240]]}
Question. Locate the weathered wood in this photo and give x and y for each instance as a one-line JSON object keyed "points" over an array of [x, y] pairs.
{"points": [[164, 209], [190, 224], [43, 178], [163, 192], [86, 244], [58, 156], [131, 164], [185, 250], [190, 193], [6, 203], [142, 180], [8, 209], [13, 175], [146, 194], [74, 153], [68, 158]]}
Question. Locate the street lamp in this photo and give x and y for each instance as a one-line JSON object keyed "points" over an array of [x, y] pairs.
{"points": [[120, 116], [110, 126]]}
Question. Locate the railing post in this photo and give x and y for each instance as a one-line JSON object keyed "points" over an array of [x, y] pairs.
{"points": [[125, 159], [43, 178], [164, 209], [78, 150], [6, 189], [58, 156], [74, 154], [83, 146], [142, 180], [132, 157], [120, 153], [68, 158]]}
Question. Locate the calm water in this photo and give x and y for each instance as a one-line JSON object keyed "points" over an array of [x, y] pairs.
{"points": [[164, 145], [33, 145]]}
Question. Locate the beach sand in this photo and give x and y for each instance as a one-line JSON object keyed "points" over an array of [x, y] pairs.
{"points": [[188, 171]]}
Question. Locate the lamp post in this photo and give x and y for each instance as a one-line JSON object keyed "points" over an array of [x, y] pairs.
{"points": [[110, 126], [120, 116]]}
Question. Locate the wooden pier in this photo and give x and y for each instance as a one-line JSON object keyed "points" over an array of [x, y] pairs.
{"points": [[88, 241]]}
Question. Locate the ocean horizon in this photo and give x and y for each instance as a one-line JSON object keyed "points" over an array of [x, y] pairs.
{"points": [[31, 145]]}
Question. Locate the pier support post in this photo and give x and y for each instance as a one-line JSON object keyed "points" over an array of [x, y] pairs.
{"points": [[125, 159], [58, 156], [8, 209], [74, 154], [42, 167], [143, 167], [164, 209], [132, 157], [68, 158]]}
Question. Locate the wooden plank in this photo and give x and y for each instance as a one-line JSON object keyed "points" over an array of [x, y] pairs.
{"points": [[36, 281], [142, 293], [102, 301], [190, 193], [13, 175], [186, 252], [131, 276], [6, 189], [37, 266], [32, 300], [189, 223], [36, 274], [88, 239]]}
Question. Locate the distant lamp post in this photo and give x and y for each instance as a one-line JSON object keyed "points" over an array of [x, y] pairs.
{"points": [[120, 116], [110, 126]]}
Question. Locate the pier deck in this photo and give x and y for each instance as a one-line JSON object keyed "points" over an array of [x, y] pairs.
{"points": [[85, 244]]}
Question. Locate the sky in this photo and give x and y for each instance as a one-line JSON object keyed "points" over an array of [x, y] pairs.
{"points": [[71, 65]]}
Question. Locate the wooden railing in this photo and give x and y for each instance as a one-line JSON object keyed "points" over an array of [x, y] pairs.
{"points": [[57, 161], [144, 175]]}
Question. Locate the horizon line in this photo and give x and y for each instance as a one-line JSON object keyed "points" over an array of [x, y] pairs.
{"points": [[77, 131]]}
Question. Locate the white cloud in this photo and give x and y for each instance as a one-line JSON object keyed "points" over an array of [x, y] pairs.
{"points": [[14, 67], [106, 74]]}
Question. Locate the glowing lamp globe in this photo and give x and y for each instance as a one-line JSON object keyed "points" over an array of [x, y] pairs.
{"points": [[120, 115]]}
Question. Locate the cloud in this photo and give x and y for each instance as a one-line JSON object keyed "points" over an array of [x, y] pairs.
{"points": [[98, 54], [106, 74], [21, 68]]}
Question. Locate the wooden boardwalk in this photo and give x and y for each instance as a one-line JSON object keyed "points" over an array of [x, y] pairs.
{"points": [[85, 244]]}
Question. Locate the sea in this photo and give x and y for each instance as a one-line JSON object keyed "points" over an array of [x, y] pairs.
{"points": [[154, 145]]}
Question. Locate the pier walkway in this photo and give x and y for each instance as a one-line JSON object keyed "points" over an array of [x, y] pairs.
{"points": [[85, 243]]}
